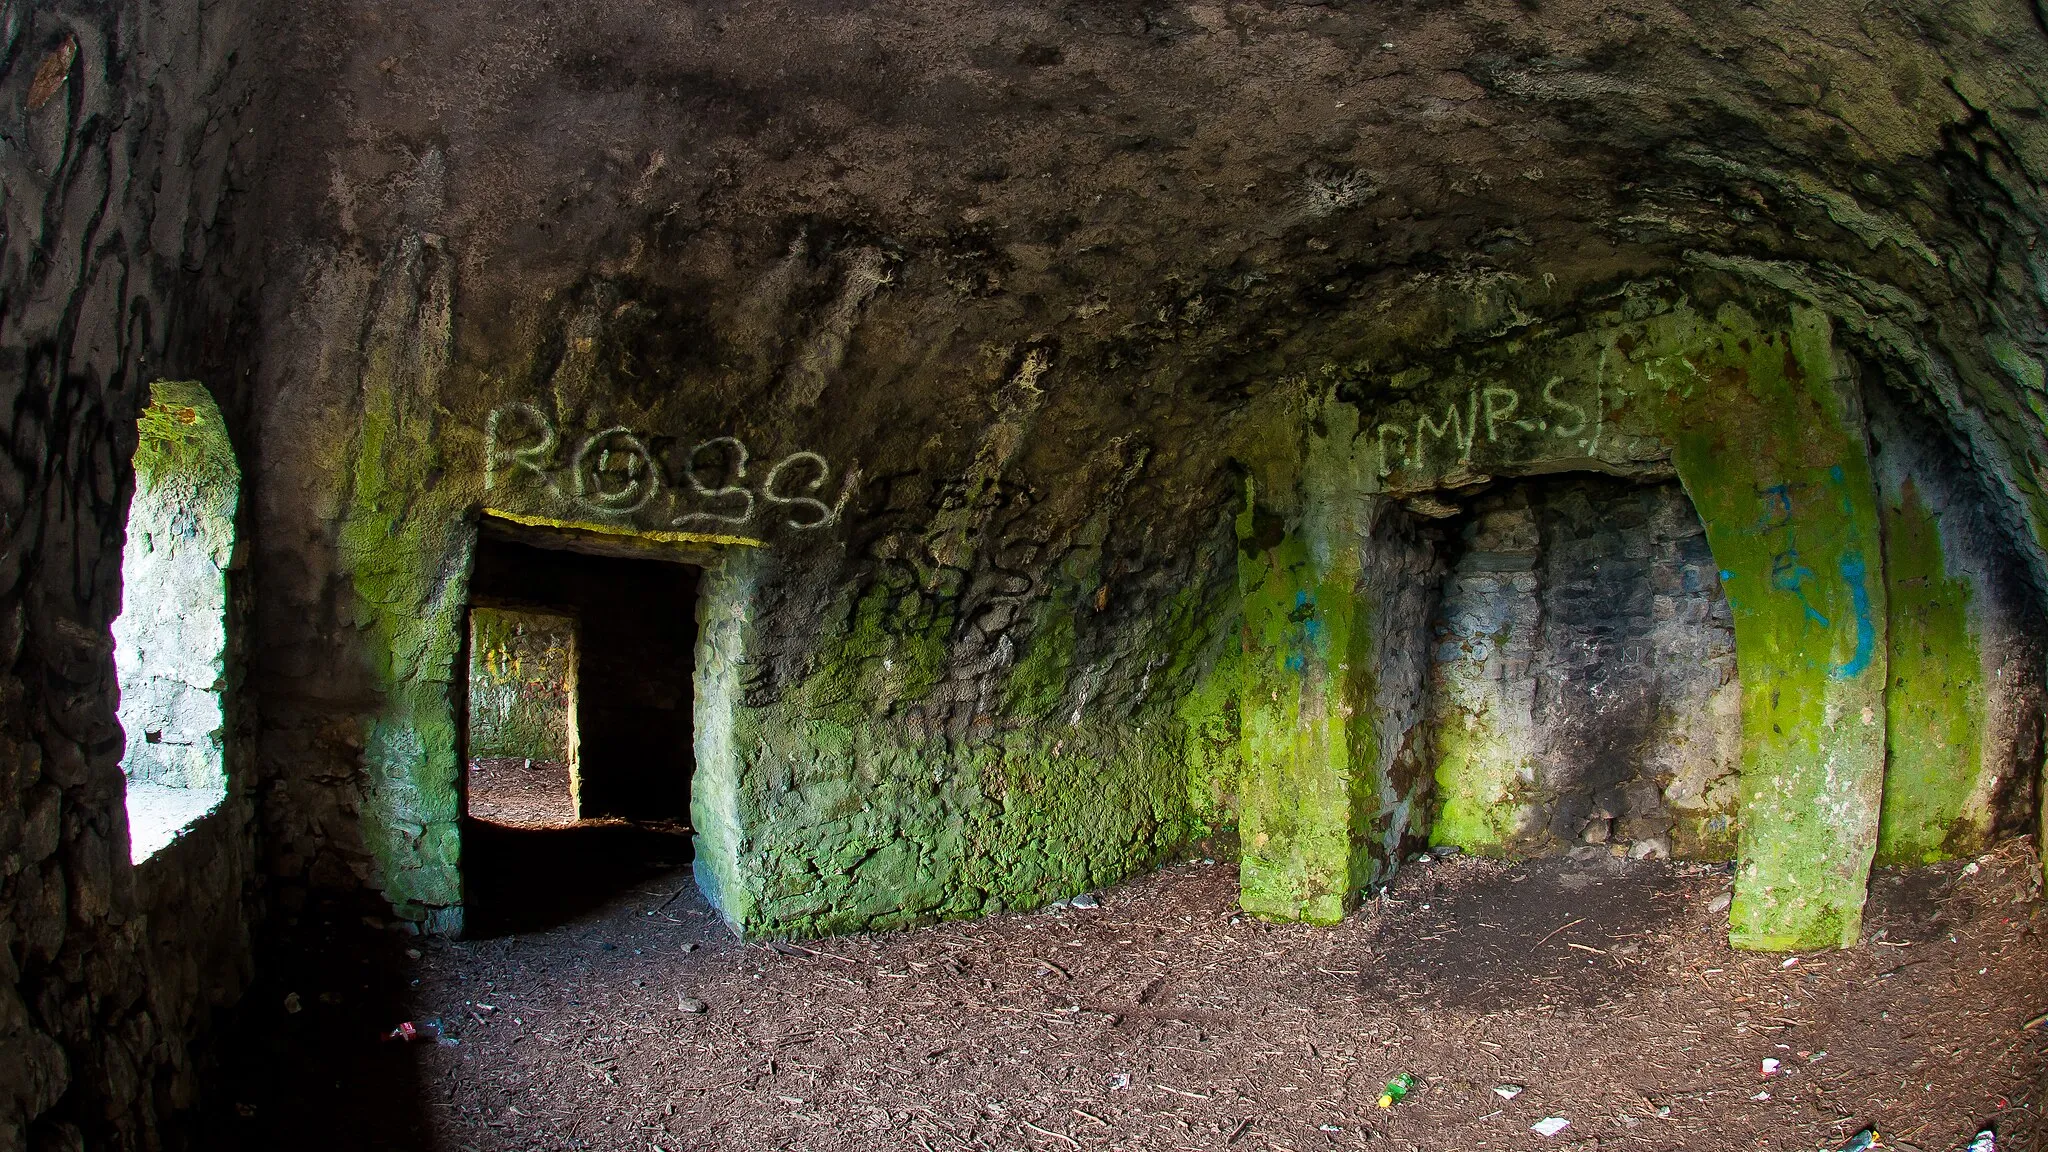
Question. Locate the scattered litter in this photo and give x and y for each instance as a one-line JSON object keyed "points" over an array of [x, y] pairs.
{"points": [[1770, 1067], [1507, 1091], [1862, 1141], [1334, 1128], [409, 1032], [1789, 961], [2034, 1025], [692, 1005], [1761, 1096], [291, 1004], [1550, 1125], [1086, 900], [1986, 1141], [1397, 1090], [1120, 1082]]}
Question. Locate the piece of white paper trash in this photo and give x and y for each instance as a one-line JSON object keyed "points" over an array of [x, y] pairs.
{"points": [[1550, 1125]]}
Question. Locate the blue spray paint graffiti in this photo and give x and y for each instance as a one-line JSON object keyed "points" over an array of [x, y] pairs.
{"points": [[1788, 574], [1303, 616], [1855, 575]]}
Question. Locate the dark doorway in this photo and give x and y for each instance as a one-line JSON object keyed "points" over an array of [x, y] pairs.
{"points": [[631, 684]]}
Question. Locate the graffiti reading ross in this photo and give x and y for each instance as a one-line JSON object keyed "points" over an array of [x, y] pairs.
{"points": [[614, 471]]}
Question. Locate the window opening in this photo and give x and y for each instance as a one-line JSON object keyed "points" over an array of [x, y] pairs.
{"points": [[170, 639]]}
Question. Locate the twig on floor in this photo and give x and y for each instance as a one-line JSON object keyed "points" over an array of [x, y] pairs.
{"points": [[1071, 1142]]}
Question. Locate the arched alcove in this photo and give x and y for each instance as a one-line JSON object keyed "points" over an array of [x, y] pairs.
{"points": [[170, 640]]}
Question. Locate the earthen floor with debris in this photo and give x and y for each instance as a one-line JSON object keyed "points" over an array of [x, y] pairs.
{"points": [[1599, 992]]}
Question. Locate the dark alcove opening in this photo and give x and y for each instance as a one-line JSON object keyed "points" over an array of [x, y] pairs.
{"points": [[607, 643], [1583, 674]]}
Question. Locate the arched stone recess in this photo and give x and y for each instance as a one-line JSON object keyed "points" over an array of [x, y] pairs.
{"points": [[171, 640], [1762, 421]]}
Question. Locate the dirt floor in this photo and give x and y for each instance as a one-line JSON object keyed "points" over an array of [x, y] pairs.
{"points": [[1601, 992], [521, 793]]}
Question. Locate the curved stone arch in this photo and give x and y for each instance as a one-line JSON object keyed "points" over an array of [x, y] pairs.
{"points": [[1760, 423], [170, 640]]}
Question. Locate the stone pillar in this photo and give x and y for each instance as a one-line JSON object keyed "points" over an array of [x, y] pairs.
{"points": [[1334, 612], [1774, 458], [1298, 823]]}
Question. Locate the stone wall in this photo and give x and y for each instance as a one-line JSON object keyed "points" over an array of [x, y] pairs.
{"points": [[960, 337], [120, 159], [1965, 639], [1584, 689], [170, 640]]}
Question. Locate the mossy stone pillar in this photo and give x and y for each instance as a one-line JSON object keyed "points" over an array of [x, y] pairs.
{"points": [[1775, 459]]}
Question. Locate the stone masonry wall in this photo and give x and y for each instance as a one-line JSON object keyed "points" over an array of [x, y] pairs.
{"points": [[1584, 691], [119, 159]]}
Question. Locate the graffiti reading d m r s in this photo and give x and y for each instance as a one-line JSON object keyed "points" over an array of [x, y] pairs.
{"points": [[715, 482]]}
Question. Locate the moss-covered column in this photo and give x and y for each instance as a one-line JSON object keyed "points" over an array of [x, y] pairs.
{"points": [[1329, 683], [405, 550], [1774, 457], [1296, 826]]}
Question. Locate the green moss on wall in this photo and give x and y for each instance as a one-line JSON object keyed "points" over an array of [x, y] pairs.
{"points": [[405, 556], [849, 803], [521, 684], [1935, 706], [1296, 827]]}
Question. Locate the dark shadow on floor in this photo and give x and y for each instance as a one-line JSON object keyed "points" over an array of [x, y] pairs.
{"points": [[1547, 931], [532, 879], [306, 1046]]}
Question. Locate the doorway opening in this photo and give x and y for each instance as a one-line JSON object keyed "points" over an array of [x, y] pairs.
{"points": [[580, 735]]}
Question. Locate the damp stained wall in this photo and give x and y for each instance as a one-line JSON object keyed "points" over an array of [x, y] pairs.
{"points": [[121, 244], [1964, 704], [1050, 356]]}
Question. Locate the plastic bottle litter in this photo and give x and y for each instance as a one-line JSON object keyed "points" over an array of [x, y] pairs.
{"points": [[1550, 1125], [1397, 1090], [1986, 1141]]}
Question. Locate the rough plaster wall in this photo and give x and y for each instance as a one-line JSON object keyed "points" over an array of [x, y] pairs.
{"points": [[848, 232], [117, 162]]}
